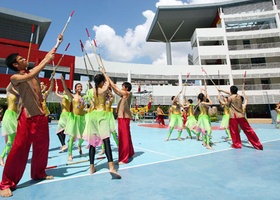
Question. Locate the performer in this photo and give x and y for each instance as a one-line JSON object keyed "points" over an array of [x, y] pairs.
{"points": [[76, 122], [191, 122], [237, 118], [126, 150], [225, 120], [33, 128], [175, 117], [45, 93], [111, 118], [97, 129], [160, 116], [9, 121], [65, 112], [203, 122], [278, 115]]}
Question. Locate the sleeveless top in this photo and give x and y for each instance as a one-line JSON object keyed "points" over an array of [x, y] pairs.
{"points": [[123, 108]]}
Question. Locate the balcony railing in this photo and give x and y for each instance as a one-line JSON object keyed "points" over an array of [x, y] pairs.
{"points": [[255, 66], [250, 28], [275, 86], [254, 46]]}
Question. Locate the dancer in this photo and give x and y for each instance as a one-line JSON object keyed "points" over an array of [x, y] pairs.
{"points": [[65, 112], [225, 120], [204, 122], [160, 116], [175, 117], [76, 121], [126, 150], [97, 129], [9, 121], [45, 93], [191, 122], [237, 118], [111, 119], [33, 128], [278, 115]]}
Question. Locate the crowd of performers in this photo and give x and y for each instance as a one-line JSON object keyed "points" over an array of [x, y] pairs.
{"points": [[89, 118], [86, 118], [182, 116]]}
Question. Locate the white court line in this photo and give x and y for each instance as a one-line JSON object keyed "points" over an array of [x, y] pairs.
{"points": [[155, 152], [147, 164]]}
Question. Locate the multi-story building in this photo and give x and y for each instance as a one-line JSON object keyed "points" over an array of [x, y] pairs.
{"points": [[228, 40]]}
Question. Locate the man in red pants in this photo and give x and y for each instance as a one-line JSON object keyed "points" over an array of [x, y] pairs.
{"points": [[237, 119], [32, 127]]}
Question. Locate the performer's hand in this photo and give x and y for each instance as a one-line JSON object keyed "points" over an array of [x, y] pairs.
{"points": [[59, 38]]}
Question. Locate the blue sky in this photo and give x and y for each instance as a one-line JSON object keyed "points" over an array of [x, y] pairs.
{"points": [[119, 27]]}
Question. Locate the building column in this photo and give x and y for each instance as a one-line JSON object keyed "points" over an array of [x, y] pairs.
{"points": [[223, 25], [168, 53], [129, 76]]}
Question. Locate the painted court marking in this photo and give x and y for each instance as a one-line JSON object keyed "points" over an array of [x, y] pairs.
{"points": [[146, 164]]}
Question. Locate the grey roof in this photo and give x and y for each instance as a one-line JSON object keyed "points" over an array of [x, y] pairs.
{"points": [[179, 22], [16, 25]]}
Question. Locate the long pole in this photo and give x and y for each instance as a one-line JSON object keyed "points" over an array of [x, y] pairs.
{"points": [[64, 28], [54, 70], [84, 51], [93, 46], [30, 42]]}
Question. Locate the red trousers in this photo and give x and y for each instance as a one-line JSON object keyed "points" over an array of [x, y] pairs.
{"points": [[35, 131], [234, 124], [126, 150], [160, 119]]}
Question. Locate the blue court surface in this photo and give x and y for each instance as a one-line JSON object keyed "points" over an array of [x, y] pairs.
{"points": [[164, 170]]}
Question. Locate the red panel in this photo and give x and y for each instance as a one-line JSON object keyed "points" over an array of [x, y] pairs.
{"points": [[12, 46]]}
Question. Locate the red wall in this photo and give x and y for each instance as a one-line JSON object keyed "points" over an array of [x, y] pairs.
{"points": [[11, 46]]}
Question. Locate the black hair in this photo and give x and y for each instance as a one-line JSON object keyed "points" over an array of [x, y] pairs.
{"points": [[127, 85], [10, 60], [98, 78], [200, 97], [233, 89], [190, 100], [172, 98], [242, 98]]}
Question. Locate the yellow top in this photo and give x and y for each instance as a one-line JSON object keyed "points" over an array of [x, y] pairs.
{"points": [[78, 106], [175, 109], [203, 110], [99, 102], [44, 103], [65, 104], [108, 105], [190, 110], [226, 110], [12, 102]]}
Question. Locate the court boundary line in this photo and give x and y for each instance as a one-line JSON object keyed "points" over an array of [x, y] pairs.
{"points": [[147, 164]]}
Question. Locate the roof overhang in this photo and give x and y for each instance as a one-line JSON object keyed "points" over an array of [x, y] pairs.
{"points": [[16, 25], [178, 23]]}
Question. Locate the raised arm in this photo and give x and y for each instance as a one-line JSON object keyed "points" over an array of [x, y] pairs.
{"points": [[18, 78], [56, 92], [68, 93]]}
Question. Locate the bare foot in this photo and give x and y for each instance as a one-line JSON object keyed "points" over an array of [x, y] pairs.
{"points": [[115, 174], [80, 150], [63, 148], [6, 193], [204, 144], [180, 139], [2, 161], [166, 139], [48, 177], [102, 152], [121, 163], [70, 158], [209, 147], [92, 169]]}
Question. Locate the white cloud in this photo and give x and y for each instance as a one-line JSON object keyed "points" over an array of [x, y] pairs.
{"points": [[133, 44]]}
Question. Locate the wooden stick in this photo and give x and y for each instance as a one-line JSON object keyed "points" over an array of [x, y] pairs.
{"points": [[63, 30], [84, 50], [30, 42], [209, 78], [93, 46], [54, 70]]}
